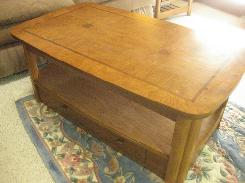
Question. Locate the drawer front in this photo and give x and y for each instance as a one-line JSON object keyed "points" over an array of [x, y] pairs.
{"points": [[156, 163], [116, 141]]}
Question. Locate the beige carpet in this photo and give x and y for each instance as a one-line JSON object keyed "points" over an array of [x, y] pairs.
{"points": [[19, 160]]}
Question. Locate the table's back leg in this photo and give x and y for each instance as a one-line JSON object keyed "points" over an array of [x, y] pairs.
{"points": [[179, 141], [221, 113], [33, 68]]}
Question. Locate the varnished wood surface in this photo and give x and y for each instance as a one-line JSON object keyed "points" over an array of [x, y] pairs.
{"points": [[209, 125], [180, 137], [117, 74], [33, 68], [114, 140], [128, 127], [190, 150], [164, 63], [107, 108]]}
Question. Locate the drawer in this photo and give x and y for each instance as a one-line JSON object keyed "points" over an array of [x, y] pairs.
{"points": [[108, 136], [156, 162]]}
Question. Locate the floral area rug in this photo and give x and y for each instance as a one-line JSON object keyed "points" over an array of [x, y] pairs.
{"points": [[72, 155]]}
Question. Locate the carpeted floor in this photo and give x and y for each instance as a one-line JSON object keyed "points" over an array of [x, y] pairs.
{"points": [[19, 160], [72, 155]]}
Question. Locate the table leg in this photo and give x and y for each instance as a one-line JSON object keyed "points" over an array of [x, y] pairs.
{"points": [[189, 7], [186, 144], [222, 112], [157, 8], [180, 138], [190, 150], [33, 68]]}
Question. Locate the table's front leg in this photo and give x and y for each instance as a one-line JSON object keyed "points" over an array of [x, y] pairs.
{"points": [[184, 142], [190, 150], [33, 68], [188, 141]]}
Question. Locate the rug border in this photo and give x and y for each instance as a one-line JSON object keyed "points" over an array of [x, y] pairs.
{"points": [[47, 159]]}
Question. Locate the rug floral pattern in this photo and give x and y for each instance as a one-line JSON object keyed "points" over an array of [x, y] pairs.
{"points": [[83, 159]]}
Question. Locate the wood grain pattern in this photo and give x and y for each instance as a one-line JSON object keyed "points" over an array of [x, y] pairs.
{"points": [[112, 138], [115, 112], [209, 125], [190, 150], [149, 58], [180, 137], [128, 127], [33, 69], [152, 90]]}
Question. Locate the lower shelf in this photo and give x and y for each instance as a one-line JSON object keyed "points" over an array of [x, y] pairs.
{"points": [[128, 127]]}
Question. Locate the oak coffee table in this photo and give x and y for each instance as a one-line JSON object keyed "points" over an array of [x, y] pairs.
{"points": [[153, 90]]}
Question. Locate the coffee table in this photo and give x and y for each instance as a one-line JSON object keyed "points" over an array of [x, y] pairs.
{"points": [[153, 90]]}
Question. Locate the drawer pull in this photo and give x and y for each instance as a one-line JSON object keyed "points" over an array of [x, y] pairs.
{"points": [[120, 141], [64, 106]]}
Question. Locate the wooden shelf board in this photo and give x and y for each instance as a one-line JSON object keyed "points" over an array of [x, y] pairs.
{"points": [[209, 125], [108, 108]]}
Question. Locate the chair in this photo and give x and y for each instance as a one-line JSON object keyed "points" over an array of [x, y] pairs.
{"points": [[167, 8]]}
